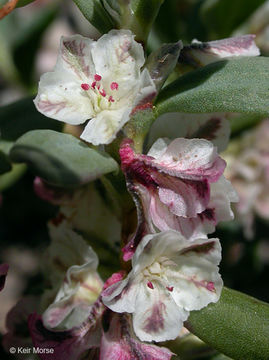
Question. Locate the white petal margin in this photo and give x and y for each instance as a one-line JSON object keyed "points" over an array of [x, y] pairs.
{"points": [[100, 81], [213, 127], [104, 127], [170, 276]]}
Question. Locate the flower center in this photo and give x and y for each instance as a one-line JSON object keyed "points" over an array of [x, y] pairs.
{"points": [[100, 97], [156, 271]]}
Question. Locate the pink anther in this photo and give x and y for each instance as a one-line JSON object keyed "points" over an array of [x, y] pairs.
{"points": [[114, 86], [150, 285], [97, 77], [85, 86], [110, 99]]}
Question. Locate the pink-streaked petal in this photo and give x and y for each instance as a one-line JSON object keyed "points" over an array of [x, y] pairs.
{"points": [[196, 279], [157, 316], [75, 57], [121, 296], [74, 300], [213, 127], [69, 344], [61, 97], [3, 274], [185, 198], [118, 58], [200, 54], [193, 159], [201, 225], [103, 128], [119, 342]]}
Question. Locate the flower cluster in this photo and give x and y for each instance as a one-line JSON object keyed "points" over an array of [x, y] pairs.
{"points": [[179, 191]]}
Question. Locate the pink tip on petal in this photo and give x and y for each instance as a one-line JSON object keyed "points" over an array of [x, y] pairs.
{"points": [[170, 288], [102, 92], [110, 99], [85, 86], [210, 286], [97, 77], [114, 86], [93, 84], [150, 285]]}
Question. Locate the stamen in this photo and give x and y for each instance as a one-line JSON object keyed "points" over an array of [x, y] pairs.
{"points": [[110, 99], [114, 86], [97, 77], [170, 288], [93, 84], [210, 286], [102, 92], [85, 86], [150, 285]]}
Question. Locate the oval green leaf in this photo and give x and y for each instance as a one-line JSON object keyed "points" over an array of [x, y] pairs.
{"points": [[61, 159], [239, 85], [237, 326]]}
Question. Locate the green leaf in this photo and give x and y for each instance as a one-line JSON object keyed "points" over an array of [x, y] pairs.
{"points": [[237, 326], [21, 117], [143, 14], [61, 159], [240, 85], [96, 14], [221, 17]]}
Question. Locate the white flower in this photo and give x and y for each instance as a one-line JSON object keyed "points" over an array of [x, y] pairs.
{"points": [[169, 278], [81, 285], [98, 80]]}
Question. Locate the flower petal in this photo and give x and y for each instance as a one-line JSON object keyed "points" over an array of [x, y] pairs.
{"points": [[61, 97], [75, 57], [121, 296], [157, 316], [118, 57], [104, 127], [192, 159], [82, 284], [195, 279]]}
